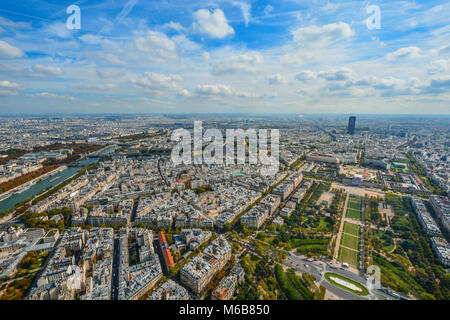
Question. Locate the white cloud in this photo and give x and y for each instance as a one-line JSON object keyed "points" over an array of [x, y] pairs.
{"points": [[431, 17], [45, 71], [15, 25], [97, 87], [444, 50], [214, 89], [241, 63], [91, 38], [157, 46], [306, 75], [155, 39], [112, 59], [174, 26], [370, 86], [8, 92], [331, 7], [213, 24], [341, 74], [8, 85], [184, 93], [222, 90], [386, 83], [275, 79], [183, 44], [245, 9], [439, 66], [8, 88], [409, 52], [268, 9], [322, 34], [108, 73], [52, 96], [8, 51], [114, 64], [58, 29], [155, 81], [247, 95], [9, 69]]}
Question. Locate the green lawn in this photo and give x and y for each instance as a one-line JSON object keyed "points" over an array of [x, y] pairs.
{"points": [[354, 208], [355, 199], [354, 205], [351, 228], [350, 241], [401, 170], [349, 256], [353, 214]]}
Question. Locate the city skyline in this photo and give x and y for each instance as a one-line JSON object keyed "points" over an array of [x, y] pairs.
{"points": [[225, 57], [104, 208]]}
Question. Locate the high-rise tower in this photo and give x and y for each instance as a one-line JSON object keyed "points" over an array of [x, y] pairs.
{"points": [[351, 125]]}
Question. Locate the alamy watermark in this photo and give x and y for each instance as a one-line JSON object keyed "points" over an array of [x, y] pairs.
{"points": [[74, 278], [373, 280], [74, 20], [238, 143], [374, 20]]}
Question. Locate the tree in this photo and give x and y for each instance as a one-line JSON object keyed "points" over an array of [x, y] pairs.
{"points": [[261, 235], [259, 250], [245, 231]]}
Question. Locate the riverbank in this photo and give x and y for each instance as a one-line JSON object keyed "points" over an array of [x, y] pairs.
{"points": [[35, 180], [39, 188]]}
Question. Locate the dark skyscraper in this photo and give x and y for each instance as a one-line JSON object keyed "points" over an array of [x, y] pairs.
{"points": [[351, 125]]}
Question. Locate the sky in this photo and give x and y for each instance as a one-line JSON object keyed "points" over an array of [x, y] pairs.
{"points": [[225, 56]]}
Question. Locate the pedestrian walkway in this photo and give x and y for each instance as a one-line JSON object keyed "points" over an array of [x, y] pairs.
{"points": [[341, 228]]}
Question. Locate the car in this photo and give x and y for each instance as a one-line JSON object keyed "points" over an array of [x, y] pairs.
{"points": [[333, 267]]}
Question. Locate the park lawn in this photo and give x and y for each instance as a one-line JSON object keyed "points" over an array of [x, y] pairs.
{"points": [[349, 256], [406, 170], [353, 214], [352, 228], [323, 225], [356, 199], [350, 241], [354, 205]]}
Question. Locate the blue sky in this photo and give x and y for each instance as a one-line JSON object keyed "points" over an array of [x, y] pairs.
{"points": [[284, 56]]}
